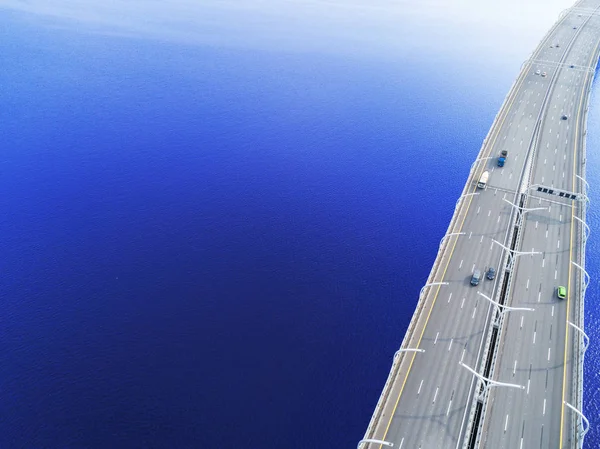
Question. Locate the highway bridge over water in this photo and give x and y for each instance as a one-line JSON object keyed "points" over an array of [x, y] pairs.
{"points": [[499, 365]]}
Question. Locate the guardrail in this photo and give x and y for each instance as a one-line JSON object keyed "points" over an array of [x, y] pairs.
{"points": [[579, 343]]}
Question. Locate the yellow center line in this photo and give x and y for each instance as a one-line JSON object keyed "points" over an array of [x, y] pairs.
{"points": [[562, 407], [491, 146]]}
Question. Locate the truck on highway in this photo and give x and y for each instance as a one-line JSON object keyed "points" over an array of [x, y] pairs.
{"points": [[483, 179], [502, 158]]}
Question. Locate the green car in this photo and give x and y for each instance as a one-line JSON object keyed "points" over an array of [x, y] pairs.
{"points": [[561, 292]]}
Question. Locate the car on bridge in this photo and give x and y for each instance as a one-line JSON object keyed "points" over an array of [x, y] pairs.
{"points": [[561, 292], [476, 277]]}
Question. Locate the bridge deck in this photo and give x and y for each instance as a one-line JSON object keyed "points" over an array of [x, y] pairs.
{"points": [[430, 401]]}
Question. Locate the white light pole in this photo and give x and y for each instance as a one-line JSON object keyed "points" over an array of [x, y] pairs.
{"points": [[489, 383], [524, 209], [397, 353], [479, 160], [431, 285], [370, 440], [587, 231], [451, 234], [514, 253], [583, 420], [587, 278], [464, 196], [501, 308], [587, 186], [586, 339]]}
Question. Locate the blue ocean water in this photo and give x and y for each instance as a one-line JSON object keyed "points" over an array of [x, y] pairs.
{"points": [[592, 308], [210, 246]]}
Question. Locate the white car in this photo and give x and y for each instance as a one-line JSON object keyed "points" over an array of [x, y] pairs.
{"points": [[537, 72], [543, 73]]}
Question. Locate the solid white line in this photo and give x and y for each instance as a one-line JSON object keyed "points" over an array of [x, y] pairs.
{"points": [[489, 212], [478, 209], [552, 310], [460, 266], [473, 269], [463, 355], [506, 423], [534, 332], [481, 239], [436, 337], [474, 310], [560, 218], [435, 395], [528, 382], [543, 262], [450, 345], [419, 392], [548, 354], [450, 297], [521, 445], [555, 274], [522, 321], [498, 219], [470, 234], [544, 410], [515, 368], [527, 288], [558, 244], [539, 296], [546, 233], [401, 443], [462, 303]]}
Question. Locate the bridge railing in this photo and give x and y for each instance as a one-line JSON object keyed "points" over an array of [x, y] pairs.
{"points": [[579, 318]]}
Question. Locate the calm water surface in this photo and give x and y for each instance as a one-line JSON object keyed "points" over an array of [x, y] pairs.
{"points": [[222, 245]]}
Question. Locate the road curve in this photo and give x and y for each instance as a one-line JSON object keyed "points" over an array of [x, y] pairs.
{"points": [[527, 223]]}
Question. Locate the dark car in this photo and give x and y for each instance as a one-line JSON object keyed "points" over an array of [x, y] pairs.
{"points": [[491, 273], [476, 277]]}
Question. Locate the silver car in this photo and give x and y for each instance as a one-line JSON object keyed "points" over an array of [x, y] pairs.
{"points": [[476, 277]]}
